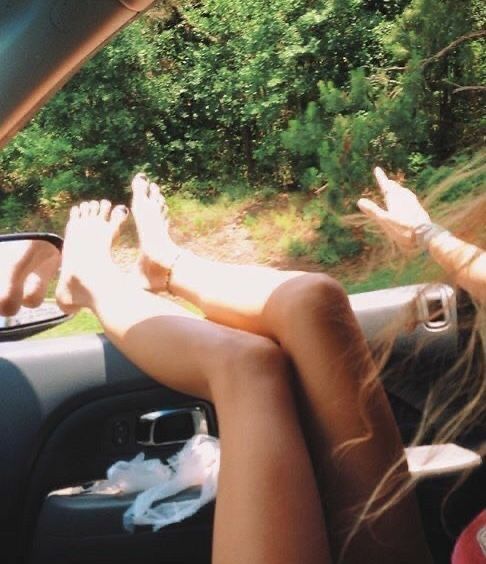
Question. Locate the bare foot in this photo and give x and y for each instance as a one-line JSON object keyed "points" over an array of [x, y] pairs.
{"points": [[157, 250], [37, 282], [27, 267], [87, 264]]}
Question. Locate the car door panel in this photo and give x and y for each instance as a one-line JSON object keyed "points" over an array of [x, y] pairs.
{"points": [[81, 449], [61, 399]]}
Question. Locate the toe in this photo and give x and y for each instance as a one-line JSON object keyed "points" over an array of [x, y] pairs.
{"points": [[74, 213], [140, 185], [155, 192], [105, 207], [164, 208], [94, 207], [118, 216], [84, 209]]}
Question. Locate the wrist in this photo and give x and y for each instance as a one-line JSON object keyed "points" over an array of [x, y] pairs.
{"points": [[423, 234]]}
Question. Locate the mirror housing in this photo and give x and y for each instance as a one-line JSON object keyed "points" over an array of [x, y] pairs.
{"points": [[44, 42], [23, 321]]}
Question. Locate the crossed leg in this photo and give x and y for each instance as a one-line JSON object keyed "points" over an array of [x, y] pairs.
{"points": [[268, 509], [309, 316]]}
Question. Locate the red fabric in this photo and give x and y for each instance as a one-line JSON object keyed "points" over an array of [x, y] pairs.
{"points": [[471, 545]]}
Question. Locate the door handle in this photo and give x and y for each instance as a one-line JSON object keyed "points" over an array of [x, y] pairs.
{"points": [[171, 426], [435, 307]]}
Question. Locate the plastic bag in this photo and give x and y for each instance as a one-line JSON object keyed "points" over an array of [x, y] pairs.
{"points": [[133, 476], [197, 464]]}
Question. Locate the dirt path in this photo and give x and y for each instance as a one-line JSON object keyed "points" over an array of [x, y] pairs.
{"points": [[231, 243]]}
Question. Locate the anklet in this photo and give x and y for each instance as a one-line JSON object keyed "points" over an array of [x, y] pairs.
{"points": [[169, 270]]}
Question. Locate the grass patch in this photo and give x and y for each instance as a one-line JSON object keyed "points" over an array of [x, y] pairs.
{"points": [[284, 224], [415, 272], [297, 248], [82, 323], [193, 217]]}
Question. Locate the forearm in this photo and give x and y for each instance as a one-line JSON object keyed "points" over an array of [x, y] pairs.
{"points": [[233, 295], [464, 262]]}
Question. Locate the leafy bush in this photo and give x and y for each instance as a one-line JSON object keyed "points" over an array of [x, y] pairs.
{"points": [[297, 248], [12, 213], [290, 93], [335, 241], [464, 175]]}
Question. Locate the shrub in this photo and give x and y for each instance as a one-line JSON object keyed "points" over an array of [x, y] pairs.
{"points": [[12, 214]]}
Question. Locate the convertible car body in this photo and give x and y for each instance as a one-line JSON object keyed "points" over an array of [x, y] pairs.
{"points": [[70, 407]]}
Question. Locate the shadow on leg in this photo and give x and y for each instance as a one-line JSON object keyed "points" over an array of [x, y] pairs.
{"points": [[311, 318], [268, 507]]}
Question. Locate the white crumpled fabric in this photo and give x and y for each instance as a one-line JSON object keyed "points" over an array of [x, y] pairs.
{"points": [[197, 464]]}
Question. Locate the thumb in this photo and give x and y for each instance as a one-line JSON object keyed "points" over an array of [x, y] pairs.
{"points": [[371, 209]]}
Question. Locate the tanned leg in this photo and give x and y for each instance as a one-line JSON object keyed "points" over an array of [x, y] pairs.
{"points": [[268, 509], [310, 317]]}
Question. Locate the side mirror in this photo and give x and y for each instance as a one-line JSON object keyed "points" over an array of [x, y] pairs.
{"points": [[29, 265]]}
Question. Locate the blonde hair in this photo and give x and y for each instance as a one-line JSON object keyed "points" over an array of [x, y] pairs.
{"points": [[464, 383]]}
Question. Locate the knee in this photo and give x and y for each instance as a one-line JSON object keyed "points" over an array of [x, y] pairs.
{"points": [[251, 365], [319, 292], [308, 296], [306, 301]]}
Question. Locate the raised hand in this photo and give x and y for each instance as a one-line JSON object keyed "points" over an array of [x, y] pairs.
{"points": [[403, 213]]}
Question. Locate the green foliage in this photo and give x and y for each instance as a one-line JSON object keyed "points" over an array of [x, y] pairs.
{"points": [[335, 241], [416, 271], [96, 131], [405, 119], [297, 248], [292, 94], [83, 322], [202, 93], [12, 212], [460, 177], [344, 133]]}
